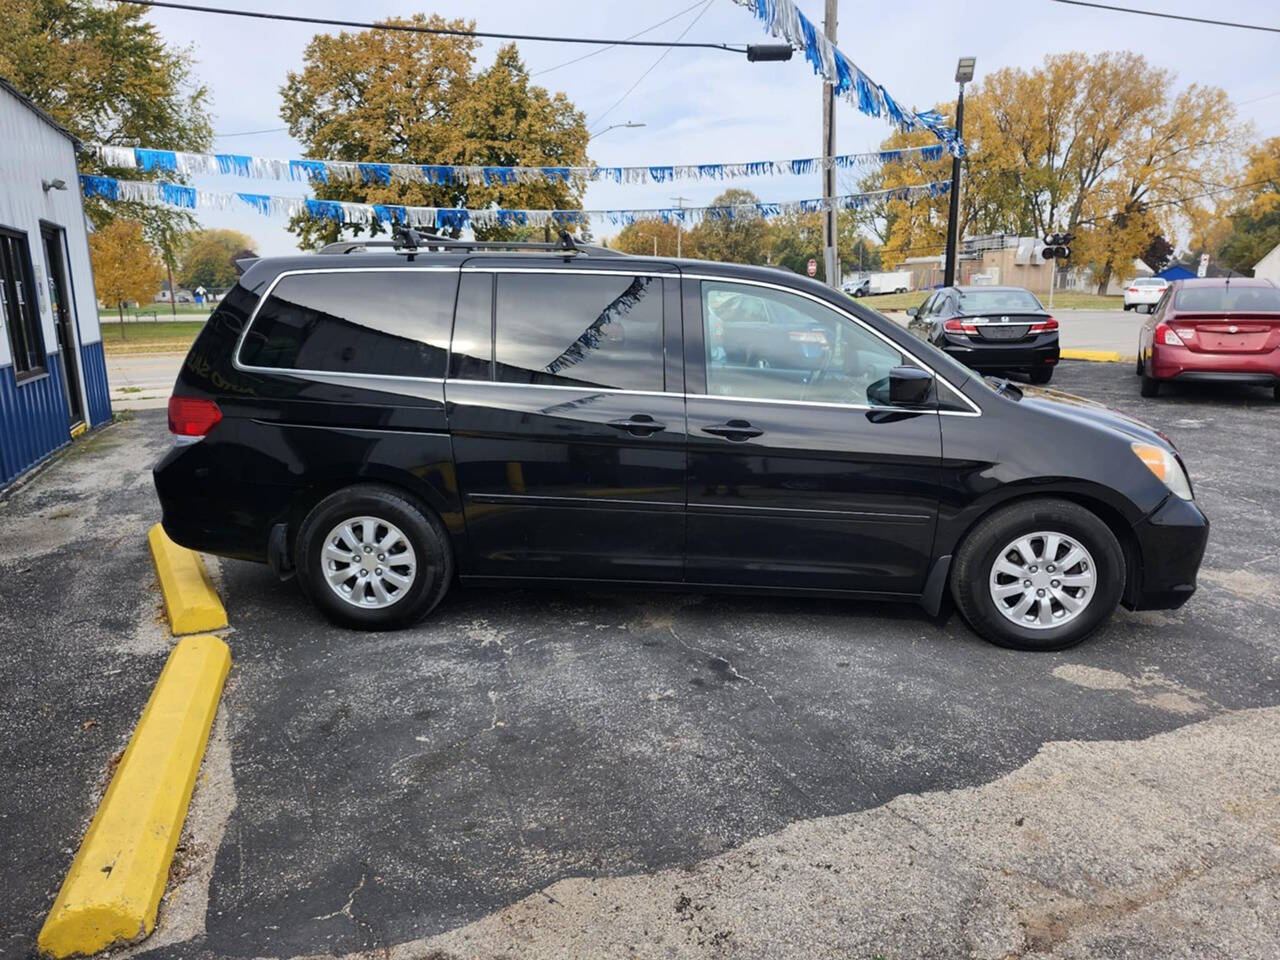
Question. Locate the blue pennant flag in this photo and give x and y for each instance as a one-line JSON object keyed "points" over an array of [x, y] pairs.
{"points": [[375, 172], [177, 195], [325, 209], [389, 212], [155, 159], [105, 187], [313, 171], [259, 201]]}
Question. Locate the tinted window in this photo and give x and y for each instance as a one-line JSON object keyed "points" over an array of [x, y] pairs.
{"points": [[771, 345], [390, 322], [985, 301], [576, 330], [1225, 297], [18, 309], [472, 356], [1148, 282]]}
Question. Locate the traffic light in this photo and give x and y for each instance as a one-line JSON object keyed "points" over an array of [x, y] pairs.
{"points": [[1055, 246]]}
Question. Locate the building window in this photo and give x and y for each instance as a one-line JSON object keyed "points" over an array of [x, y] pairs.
{"points": [[19, 308]]}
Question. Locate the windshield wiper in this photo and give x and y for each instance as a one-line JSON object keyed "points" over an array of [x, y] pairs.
{"points": [[1005, 387]]}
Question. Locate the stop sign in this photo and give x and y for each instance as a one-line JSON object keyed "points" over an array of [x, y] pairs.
{"points": [[812, 269]]}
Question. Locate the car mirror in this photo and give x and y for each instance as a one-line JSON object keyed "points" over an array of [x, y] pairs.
{"points": [[913, 311], [909, 386]]}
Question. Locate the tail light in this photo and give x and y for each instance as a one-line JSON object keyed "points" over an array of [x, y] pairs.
{"points": [[959, 326], [1044, 326], [192, 416], [809, 336], [1133, 289], [1165, 335]]}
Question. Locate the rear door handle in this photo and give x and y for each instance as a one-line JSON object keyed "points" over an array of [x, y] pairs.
{"points": [[737, 430], [638, 424]]}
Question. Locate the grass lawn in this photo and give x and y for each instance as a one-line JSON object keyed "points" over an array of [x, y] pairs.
{"points": [[1063, 299], [165, 336]]}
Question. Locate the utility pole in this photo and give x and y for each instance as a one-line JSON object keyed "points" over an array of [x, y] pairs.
{"points": [[964, 73], [830, 258], [679, 202]]}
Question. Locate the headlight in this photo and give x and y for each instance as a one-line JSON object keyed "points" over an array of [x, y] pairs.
{"points": [[1164, 465]]}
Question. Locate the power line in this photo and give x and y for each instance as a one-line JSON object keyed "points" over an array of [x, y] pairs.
{"points": [[1268, 96], [1168, 16], [638, 33], [438, 31], [249, 133], [653, 66]]}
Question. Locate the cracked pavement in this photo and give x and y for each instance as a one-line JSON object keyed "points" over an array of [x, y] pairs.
{"points": [[604, 774]]}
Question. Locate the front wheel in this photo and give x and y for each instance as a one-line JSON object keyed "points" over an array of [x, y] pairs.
{"points": [[373, 558], [1038, 575]]}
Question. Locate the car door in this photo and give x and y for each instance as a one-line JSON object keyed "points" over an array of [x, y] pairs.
{"points": [[798, 476], [568, 421]]}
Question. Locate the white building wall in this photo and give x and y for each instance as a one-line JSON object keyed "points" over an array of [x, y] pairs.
{"points": [[32, 151], [1268, 268]]}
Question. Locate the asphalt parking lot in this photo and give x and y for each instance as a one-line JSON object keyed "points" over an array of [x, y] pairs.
{"points": [[607, 774]]}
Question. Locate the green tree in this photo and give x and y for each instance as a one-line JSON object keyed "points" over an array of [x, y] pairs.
{"points": [[742, 238], [403, 97], [645, 236], [105, 74], [125, 267], [206, 259]]}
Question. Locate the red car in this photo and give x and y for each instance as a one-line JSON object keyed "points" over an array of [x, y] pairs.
{"points": [[1223, 330]]}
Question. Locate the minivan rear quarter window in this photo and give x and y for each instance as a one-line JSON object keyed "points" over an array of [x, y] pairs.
{"points": [[563, 329], [382, 322]]}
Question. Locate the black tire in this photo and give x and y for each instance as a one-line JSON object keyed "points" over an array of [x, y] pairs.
{"points": [[1150, 386], [1138, 368], [981, 550], [1128, 307], [1275, 392], [421, 528], [1042, 375]]}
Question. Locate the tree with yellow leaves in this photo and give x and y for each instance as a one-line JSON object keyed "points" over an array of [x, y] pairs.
{"points": [[1091, 145], [653, 238], [402, 97], [125, 267]]}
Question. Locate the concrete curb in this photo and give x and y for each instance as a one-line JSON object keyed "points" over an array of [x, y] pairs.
{"points": [[1097, 356], [189, 597], [113, 889]]}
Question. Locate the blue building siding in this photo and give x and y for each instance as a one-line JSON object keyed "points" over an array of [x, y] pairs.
{"points": [[94, 364], [33, 419]]}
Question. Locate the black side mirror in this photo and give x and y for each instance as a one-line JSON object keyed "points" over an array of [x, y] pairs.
{"points": [[913, 311], [909, 386]]}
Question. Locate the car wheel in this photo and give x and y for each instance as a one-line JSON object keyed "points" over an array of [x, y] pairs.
{"points": [[1038, 575], [1150, 386], [1138, 365], [372, 558], [1127, 308], [1275, 392], [1041, 376]]}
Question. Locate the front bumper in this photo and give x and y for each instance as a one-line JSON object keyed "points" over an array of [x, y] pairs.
{"points": [[1171, 542], [978, 354]]}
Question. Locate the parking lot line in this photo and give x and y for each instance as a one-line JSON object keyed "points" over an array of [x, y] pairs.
{"points": [[1097, 356], [113, 889], [192, 603]]}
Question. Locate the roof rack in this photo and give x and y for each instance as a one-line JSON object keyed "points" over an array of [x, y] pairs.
{"points": [[410, 242]]}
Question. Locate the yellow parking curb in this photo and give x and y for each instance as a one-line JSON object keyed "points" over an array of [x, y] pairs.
{"points": [[189, 597], [1098, 356], [113, 889]]}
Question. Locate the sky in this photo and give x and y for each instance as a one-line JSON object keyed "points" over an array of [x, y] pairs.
{"points": [[703, 106]]}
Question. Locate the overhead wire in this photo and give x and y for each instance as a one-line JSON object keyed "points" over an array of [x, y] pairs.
{"points": [[638, 33], [1168, 16]]}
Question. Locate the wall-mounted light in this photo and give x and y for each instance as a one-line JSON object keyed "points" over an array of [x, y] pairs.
{"points": [[48, 185]]}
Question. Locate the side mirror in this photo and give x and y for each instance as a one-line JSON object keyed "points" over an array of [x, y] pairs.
{"points": [[909, 386], [913, 311]]}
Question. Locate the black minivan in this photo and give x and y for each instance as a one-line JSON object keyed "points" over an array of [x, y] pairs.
{"points": [[383, 420]]}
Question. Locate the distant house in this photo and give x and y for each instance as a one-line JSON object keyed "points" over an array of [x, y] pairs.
{"points": [[1268, 268], [53, 376], [183, 295]]}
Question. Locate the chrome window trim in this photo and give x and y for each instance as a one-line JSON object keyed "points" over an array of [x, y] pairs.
{"points": [[319, 375], [555, 386]]}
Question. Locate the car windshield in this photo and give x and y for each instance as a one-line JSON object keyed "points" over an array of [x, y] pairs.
{"points": [[988, 301], [1227, 297]]}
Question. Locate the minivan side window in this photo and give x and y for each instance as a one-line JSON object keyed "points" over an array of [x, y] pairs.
{"points": [[769, 345], [472, 355], [384, 322], [567, 329]]}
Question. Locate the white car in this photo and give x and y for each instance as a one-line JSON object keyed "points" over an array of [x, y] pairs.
{"points": [[1144, 292]]}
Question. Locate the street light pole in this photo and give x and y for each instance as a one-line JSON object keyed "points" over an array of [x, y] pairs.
{"points": [[679, 202], [830, 258], [964, 73], [630, 125]]}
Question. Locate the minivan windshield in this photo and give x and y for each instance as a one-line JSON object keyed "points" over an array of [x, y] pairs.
{"points": [[1226, 297], [989, 301]]}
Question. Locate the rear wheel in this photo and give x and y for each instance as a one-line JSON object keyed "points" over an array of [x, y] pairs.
{"points": [[1150, 386], [1041, 375], [1038, 575], [373, 558], [1275, 392]]}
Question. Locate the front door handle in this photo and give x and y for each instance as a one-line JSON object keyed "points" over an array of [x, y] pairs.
{"points": [[736, 430], [638, 424]]}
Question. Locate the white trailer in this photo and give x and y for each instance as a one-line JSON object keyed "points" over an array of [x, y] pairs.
{"points": [[893, 281]]}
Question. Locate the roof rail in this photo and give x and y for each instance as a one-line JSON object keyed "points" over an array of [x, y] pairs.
{"points": [[410, 243]]}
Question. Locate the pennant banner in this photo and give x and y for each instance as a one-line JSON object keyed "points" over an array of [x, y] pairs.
{"points": [[183, 164], [160, 193], [785, 21]]}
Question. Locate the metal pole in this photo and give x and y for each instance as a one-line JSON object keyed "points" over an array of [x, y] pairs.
{"points": [[953, 215], [831, 261], [679, 202]]}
